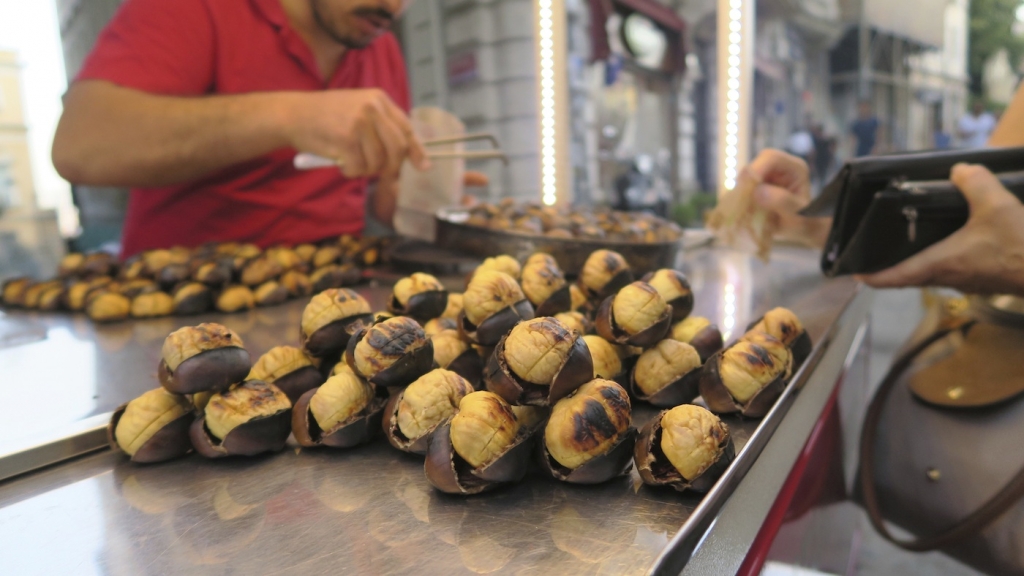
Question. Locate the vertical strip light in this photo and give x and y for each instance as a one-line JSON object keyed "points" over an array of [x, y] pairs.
{"points": [[735, 82], [553, 102]]}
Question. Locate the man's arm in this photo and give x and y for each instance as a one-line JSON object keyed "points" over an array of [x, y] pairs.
{"points": [[109, 135], [384, 200]]}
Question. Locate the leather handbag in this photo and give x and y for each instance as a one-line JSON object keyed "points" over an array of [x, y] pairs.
{"points": [[888, 208], [942, 446]]}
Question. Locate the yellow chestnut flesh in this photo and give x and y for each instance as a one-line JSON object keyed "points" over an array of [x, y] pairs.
{"points": [[599, 269], [541, 278], [108, 306], [573, 321], [332, 305], [746, 368], [536, 349], [588, 423], [186, 342], [782, 324], [662, 365], [579, 299], [671, 284], [385, 342], [152, 304], [778, 351], [483, 429], [241, 404], [435, 325], [146, 415], [502, 263], [685, 330], [278, 362], [691, 438], [235, 298], [607, 357], [416, 283], [488, 293], [454, 305], [340, 398], [430, 400], [448, 345], [637, 307]]}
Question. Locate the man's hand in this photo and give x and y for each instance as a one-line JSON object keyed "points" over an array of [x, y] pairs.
{"points": [[782, 185], [363, 129], [986, 256]]}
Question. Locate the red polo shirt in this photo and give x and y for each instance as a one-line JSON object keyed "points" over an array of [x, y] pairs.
{"points": [[200, 47]]}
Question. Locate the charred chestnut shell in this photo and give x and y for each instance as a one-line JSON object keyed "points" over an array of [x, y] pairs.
{"points": [[720, 401], [169, 442], [486, 292], [256, 436], [491, 330], [680, 391], [674, 288], [330, 319], [655, 469], [451, 474], [700, 333], [576, 369], [604, 273], [289, 369], [392, 429], [359, 429], [14, 291], [408, 367], [786, 327], [215, 360], [192, 298], [468, 363], [545, 286], [424, 297], [615, 462], [609, 329]]}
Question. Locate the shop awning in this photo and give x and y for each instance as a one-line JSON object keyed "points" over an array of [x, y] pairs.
{"points": [[922, 21], [664, 17]]}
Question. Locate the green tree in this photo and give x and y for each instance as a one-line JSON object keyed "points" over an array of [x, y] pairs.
{"points": [[991, 30]]}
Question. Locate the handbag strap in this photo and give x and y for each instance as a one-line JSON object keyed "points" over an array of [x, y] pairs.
{"points": [[969, 526]]}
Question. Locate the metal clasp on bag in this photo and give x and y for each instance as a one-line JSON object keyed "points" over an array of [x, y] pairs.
{"points": [[911, 215]]}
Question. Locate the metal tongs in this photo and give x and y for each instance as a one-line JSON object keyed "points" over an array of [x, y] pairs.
{"points": [[307, 161]]}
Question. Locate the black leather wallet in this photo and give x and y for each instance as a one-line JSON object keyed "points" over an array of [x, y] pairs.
{"points": [[887, 208]]}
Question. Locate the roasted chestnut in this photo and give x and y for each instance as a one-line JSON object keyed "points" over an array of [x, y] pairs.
{"points": [[326, 255], [260, 270], [637, 315], [686, 448], [435, 325], [247, 419], [108, 307], [152, 427], [213, 273], [330, 319], [305, 252], [286, 258], [137, 286], [674, 289], [604, 273], [390, 353], [698, 332], [667, 375], [501, 263], [576, 321], [172, 274], [747, 378], [152, 305], [235, 299], [545, 286], [296, 283], [51, 298], [611, 361], [74, 297], [579, 299], [420, 296], [70, 265], [454, 306], [492, 304], [14, 291], [289, 369], [202, 358], [270, 293], [192, 298], [34, 292], [98, 264], [453, 353], [539, 362], [784, 325], [588, 438], [412, 414], [344, 412], [334, 276], [482, 447]]}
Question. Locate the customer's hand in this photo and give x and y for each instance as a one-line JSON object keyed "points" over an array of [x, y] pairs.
{"points": [[986, 256], [782, 185], [363, 129]]}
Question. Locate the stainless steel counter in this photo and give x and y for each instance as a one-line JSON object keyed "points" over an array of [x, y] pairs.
{"points": [[368, 510]]}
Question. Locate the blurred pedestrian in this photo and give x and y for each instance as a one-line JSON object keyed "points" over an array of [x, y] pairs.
{"points": [[976, 126], [801, 144], [864, 130]]}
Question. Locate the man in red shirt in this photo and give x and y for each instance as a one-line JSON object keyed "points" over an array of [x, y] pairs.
{"points": [[200, 106]]}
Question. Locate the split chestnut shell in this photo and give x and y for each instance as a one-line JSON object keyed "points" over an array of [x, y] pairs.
{"points": [[784, 325], [650, 333], [330, 319], [414, 413], [420, 296], [202, 358], [700, 333], [753, 364], [359, 428], [707, 443], [170, 441], [259, 434], [396, 352], [673, 368]]}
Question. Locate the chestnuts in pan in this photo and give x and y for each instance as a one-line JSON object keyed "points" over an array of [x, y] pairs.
{"points": [[247, 419], [153, 427], [611, 361], [675, 289], [202, 358], [235, 299], [698, 332], [588, 438], [390, 353], [539, 362], [288, 368], [637, 315], [343, 412], [492, 304], [784, 325], [482, 447], [604, 273], [453, 353], [152, 305], [545, 286], [420, 296], [108, 307], [412, 414], [686, 448], [192, 298], [667, 375], [746, 377], [330, 319]]}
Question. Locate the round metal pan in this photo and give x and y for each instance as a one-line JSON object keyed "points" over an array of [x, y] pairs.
{"points": [[454, 234]]}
